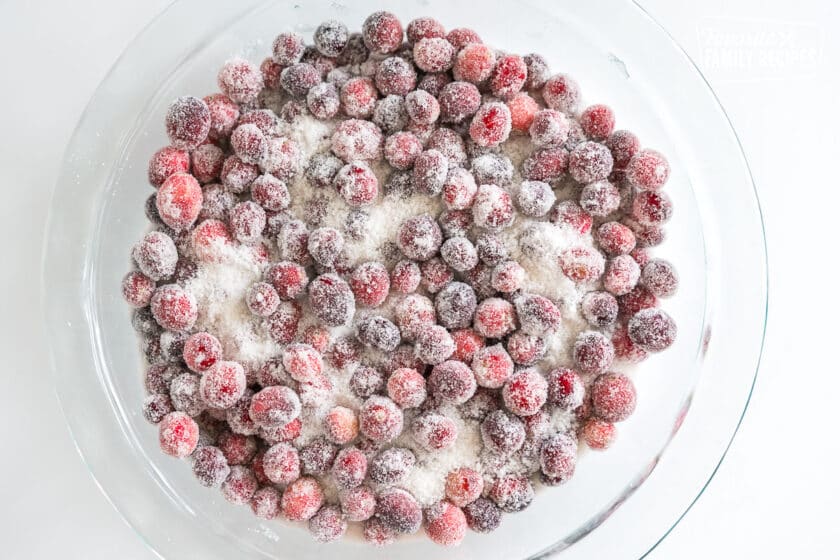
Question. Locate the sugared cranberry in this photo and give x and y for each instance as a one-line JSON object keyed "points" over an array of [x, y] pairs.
{"points": [[299, 78], [621, 275], [598, 434], [389, 114], [302, 499], [660, 278], [625, 348], [535, 198], [548, 164], [637, 299], [378, 533], [378, 332], [434, 431], [323, 100], [325, 245], [493, 207], [652, 330], [331, 37], [358, 97], [223, 115], [356, 139], [600, 309], [494, 318], [459, 189], [402, 149], [422, 108], [600, 198], [526, 349], [467, 343], [399, 510], [565, 388], [240, 485], [648, 170], [155, 407], [247, 221], [561, 93], [223, 384], [525, 393], [463, 486], [508, 76], [458, 100], [491, 124], [270, 71], [395, 76], [184, 391], [174, 308], [240, 80], [582, 264], [651, 207], [380, 419], [483, 516], [523, 109], [358, 503], [237, 175], [391, 466], [490, 248], [407, 388], [413, 314], [357, 184], [281, 464], [459, 253], [512, 493], [616, 239], [405, 277], [207, 163], [370, 283], [508, 277], [434, 54], [474, 63], [265, 503], [350, 468], [449, 143], [589, 162], [433, 344], [452, 381], [288, 279], [455, 223], [179, 201], [647, 235], [424, 28], [270, 193], [366, 381], [332, 300], [287, 48], [217, 203], [492, 366], [382, 32], [502, 432], [558, 456], [302, 362], [623, 145], [187, 122], [492, 169], [201, 351], [137, 289], [446, 524], [593, 352], [430, 171], [419, 237], [275, 406], [283, 159], [167, 162], [597, 121], [613, 397], [538, 315], [328, 524], [455, 305], [177, 434], [210, 466]]}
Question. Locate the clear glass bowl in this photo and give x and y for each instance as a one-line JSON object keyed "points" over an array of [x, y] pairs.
{"points": [[691, 397]]}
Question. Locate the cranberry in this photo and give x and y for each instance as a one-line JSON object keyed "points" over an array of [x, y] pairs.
{"points": [[467, 343], [331, 38], [493, 207], [422, 107], [332, 300], [537, 314], [463, 486], [378, 332], [446, 524], [525, 393], [283, 159], [648, 170], [237, 175], [391, 466], [455, 223], [178, 434], [434, 54], [582, 264], [402, 149], [265, 503], [512, 493], [451, 381], [459, 253], [240, 485], [459, 189], [167, 162], [600, 309], [174, 308], [275, 406], [623, 145], [187, 123], [210, 466], [155, 407], [523, 108], [380, 419], [323, 101], [328, 524], [625, 348], [589, 162], [430, 171], [492, 366], [217, 203], [490, 248], [433, 431], [407, 388], [223, 115], [491, 124], [358, 503], [597, 121], [593, 352], [508, 76], [650, 207], [598, 434], [616, 239], [399, 511], [621, 275], [565, 388], [482, 515], [302, 362], [289, 279], [526, 349], [535, 198], [240, 80], [355, 139], [287, 48], [434, 344], [299, 78], [600, 198], [395, 76], [370, 284], [389, 114], [561, 93], [325, 245], [508, 277], [405, 277], [223, 384], [449, 143], [474, 63], [207, 161], [247, 221], [637, 299], [547, 164], [366, 381], [358, 97], [413, 314], [349, 468], [537, 70], [419, 237], [494, 318], [613, 397], [378, 533], [357, 184], [647, 235], [458, 100], [137, 289], [270, 71], [424, 28], [558, 456], [652, 330], [382, 32], [302, 499], [179, 201], [281, 464], [660, 278], [455, 305]]}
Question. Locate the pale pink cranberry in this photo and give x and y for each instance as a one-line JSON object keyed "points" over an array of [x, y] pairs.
{"points": [[650, 207], [405, 277], [535, 198], [265, 503], [492, 366], [491, 124], [660, 277], [341, 425], [446, 524], [167, 162], [208, 240], [380, 419], [419, 237], [582, 264], [382, 32], [287, 48], [137, 289], [621, 275], [493, 207], [237, 175], [281, 464], [525, 393], [648, 170], [494, 318], [526, 349], [179, 201], [247, 221], [593, 352], [616, 238], [402, 149], [652, 329], [302, 499], [223, 115], [377, 533], [463, 486], [350, 468], [433, 431], [201, 351], [288, 279], [623, 145], [178, 434], [558, 456], [223, 384], [302, 362], [356, 139], [207, 163], [565, 388], [275, 406], [240, 485], [474, 63], [508, 76], [358, 97], [187, 122], [434, 54], [422, 107], [598, 434], [358, 503], [613, 397], [561, 93], [357, 184], [511, 492], [467, 343], [240, 80], [452, 381], [174, 308], [407, 388], [523, 108], [328, 524], [547, 164], [459, 189]]}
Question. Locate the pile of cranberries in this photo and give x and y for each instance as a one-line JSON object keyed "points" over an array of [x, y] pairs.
{"points": [[437, 106]]}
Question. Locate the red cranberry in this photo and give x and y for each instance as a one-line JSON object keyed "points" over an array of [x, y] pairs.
{"points": [[582, 264], [623, 145], [358, 503], [525, 393], [287, 48], [597, 121], [299, 78], [548, 164], [458, 100], [616, 239], [467, 343], [433, 431], [265, 503], [558, 456], [523, 108], [237, 175], [652, 330], [201, 351], [325, 245], [223, 115], [646, 235], [174, 308], [660, 277], [288, 279], [302, 362], [178, 434], [332, 300], [137, 289], [424, 28], [328, 524], [207, 162], [455, 223], [155, 407], [275, 406], [434, 54], [502, 432], [240, 485], [358, 97], [452, 381], [331, 38], [302, 499], [508, 277], [508, 76], [323, 101], [370, 284], [179, 201], [217, 203], [625, 348], [493, 207], [494, 318], [270, 71], [419, 238], [187, 122], [613, 397], [382, 32], [492, 366], [449, 143], [537, 314], [395, 76], [247, 221], [598, 434], [357, 184], [434, 344], [512, 493], [561, 93], [240, 80], [380, 419], [621, 275], [650, 207], [389, 114], [399, 511], [446, 524], [283, 159], [249, 143], [430, 171], [167, 162], [407, 388], [378, 332], [463, 486], [593, 352], [648, 170], [378, 533], [600, 309], [459, 189], [405, 277], [349, 468], [491, 124], [526, 349], [355, 139], [589, 162], [210, 466], [402, 149], [474, 63], [281, 464], [490, 248], [535, 198], [223, 384], [366, 381], [637, 299], [422, 107], [270, 193], [600, 198], [565, 388]]}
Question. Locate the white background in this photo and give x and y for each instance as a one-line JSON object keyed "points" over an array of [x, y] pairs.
{"points": [[774, 496]]}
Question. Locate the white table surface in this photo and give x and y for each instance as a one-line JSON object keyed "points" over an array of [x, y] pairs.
{"points": [[774, 65]]}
